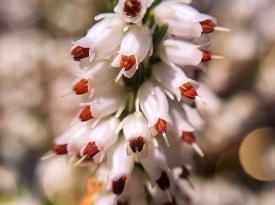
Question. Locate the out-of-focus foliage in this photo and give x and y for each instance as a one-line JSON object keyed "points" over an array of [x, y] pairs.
{"points": [[35, 38]]}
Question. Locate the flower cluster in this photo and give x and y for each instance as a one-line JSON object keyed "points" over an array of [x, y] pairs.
{"points": [[136, 126]]}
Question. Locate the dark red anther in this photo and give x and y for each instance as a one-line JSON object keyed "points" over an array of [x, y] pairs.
{"points": [[185, 173], [60, 149], [79, 53], [132, 8], [208, 26], [163, 182], [86, 114], [127, 62], [188, 137], [118, 185], [206, 56], [90, 150], [137, 144], [161, 126], [81, 87], [188, 90]]}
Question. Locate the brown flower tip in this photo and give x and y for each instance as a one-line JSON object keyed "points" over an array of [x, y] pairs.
{"points": [[132, 8], [118, 185], [188, 90], [163, 182], [206, 56], [60, 149], [81, 87], [127, 62], [185, 173], [90, 150], [86, 114], [137, 144], [208, 26], [188, 137], [161, 126], [79, 53]]}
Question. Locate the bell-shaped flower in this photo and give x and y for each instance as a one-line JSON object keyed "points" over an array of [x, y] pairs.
{"points": [[136, 132], [132, 10], [178, 52], [121, 167], [183, 20], [69, 141], [175, 81], [101, 40], [103, 104], [134, 48], [156, 167], [154, 106], [91, 80], [100, 139]]}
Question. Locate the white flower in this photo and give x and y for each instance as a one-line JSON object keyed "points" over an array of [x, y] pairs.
{"points": [[180, 121], [183, 20], [136, 132], [156, 167], [68, 142], [175, 81], [134, 48], [103, 104], [132, 10], [122, 166], [100, 139], [181, 53], [91, 80], [154, 106], [101, 40]]}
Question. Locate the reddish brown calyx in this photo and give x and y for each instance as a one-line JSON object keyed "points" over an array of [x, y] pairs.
{"points": [[208, 26], [81, 87], [206, 56], [188, 90], [79, 53], [188, 137], [127, 62], [163, 182], [60, 149], [118, 185], [132, 8], [185, 173], [161, 126], [90, 150], [137, 144], [86, 114]]}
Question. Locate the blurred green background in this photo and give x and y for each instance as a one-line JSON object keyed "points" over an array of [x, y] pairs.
{"points": [[35, 70]]}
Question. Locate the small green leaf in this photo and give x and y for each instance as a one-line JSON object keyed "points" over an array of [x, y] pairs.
{"points": [[159, 34]]}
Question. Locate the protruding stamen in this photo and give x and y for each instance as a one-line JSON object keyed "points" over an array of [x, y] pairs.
{"points": [[90, 150], [165, 139], [127, 62], [223, 29], [48, 156], [163, 182], [81, 87], [137, 144], [207, 56], [132, 8], [188, 90], [208, 26], [60, 149], [161, 126], [86, 114], [79, 53], [118, 185], [189, 138], [80, 160]]}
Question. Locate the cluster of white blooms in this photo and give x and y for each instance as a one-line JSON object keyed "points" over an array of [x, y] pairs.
{"points": [[133, 79]]}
